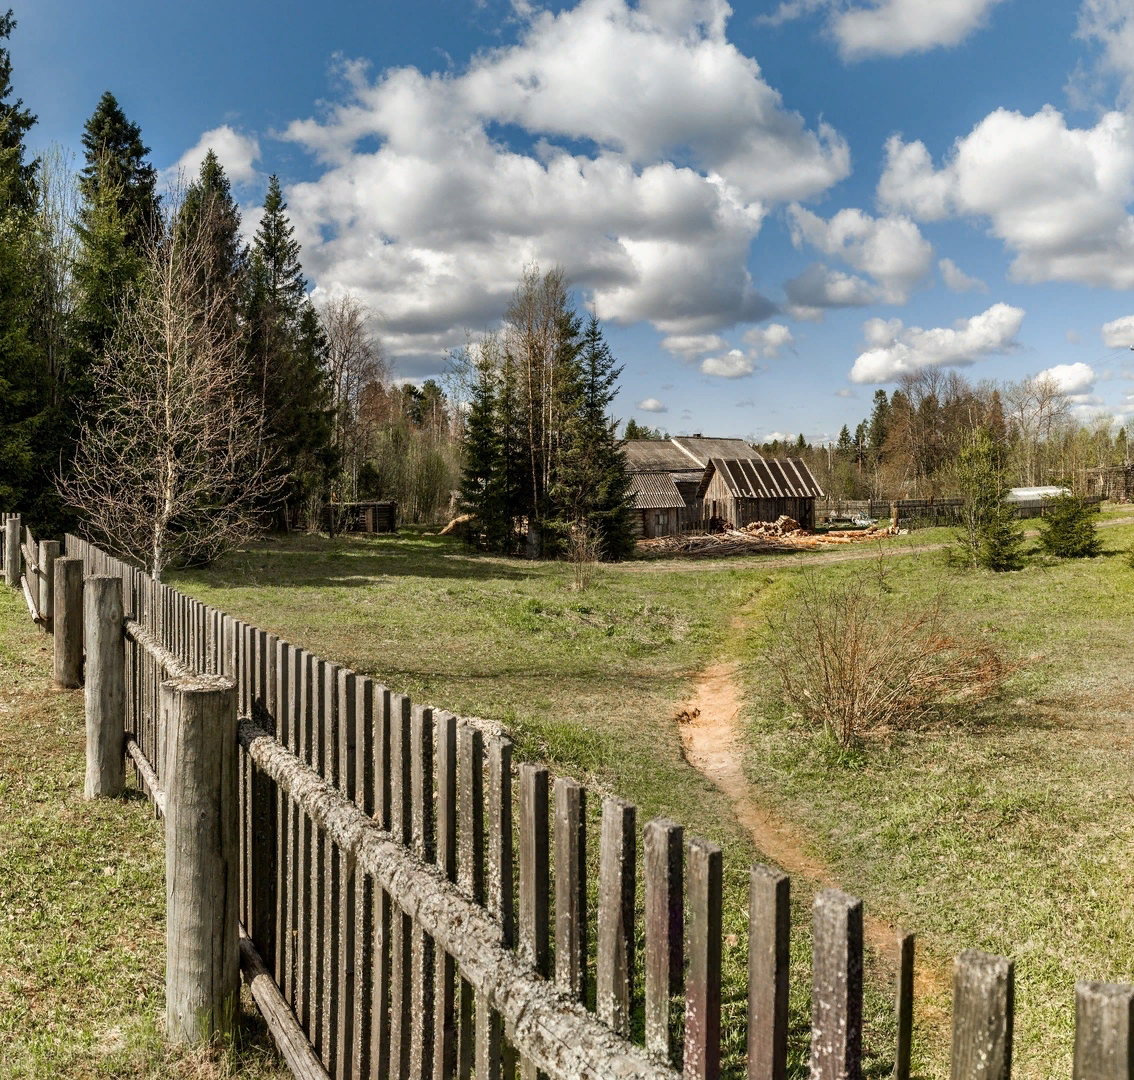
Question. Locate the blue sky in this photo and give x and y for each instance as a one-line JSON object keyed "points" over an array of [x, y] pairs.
{"points": [[776, 208]]}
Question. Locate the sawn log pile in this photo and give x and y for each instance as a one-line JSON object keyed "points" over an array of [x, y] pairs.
{"points": [[784, 534]]}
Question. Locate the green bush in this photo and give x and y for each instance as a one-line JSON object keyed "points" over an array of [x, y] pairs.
{"points": [[1067, 529]]}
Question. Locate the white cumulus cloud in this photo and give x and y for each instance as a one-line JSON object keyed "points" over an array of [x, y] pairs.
{"points": [[651, 404], [891, 250], [891, 27], [956, 280], [892, 348], [690, 346], [1072, 379], [734, 364], [238, 153], [1119, 333], [1056, 196], [768, 340], [820, 287], [659, 148]]}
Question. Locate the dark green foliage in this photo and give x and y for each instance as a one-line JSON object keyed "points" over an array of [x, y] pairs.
{"points": [[16, 175], [634, 430], [990, 535], [879, 423], [1067, 528], [593, 485], [845, 444], [288, 354], [483, 484]]}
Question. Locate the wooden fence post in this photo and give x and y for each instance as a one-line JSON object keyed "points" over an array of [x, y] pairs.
{"points": [[12, 551], [48, 553], [614, 978], [903, 1005], [836, 994], [1104, 1023], [664, 865], [703, 986], [769, 943], [68, 622], [106, 686], [202, 971], [982, 1017]]}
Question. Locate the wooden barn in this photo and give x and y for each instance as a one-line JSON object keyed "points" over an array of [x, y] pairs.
{"points": [[1113, 482], [659, 507], [744, 490]]}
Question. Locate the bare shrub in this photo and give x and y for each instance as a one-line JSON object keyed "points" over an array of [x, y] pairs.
{"points": [[851, 660], [584, 550]]}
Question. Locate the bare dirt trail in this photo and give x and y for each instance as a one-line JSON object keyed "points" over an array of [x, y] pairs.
{"points": [[711, 738]]}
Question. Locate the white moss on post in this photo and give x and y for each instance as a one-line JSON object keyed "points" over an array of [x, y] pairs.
{"points": [[202, 967], [68, 623], [106, 686]]}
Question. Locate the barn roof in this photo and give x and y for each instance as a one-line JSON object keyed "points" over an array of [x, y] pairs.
{"points": [[755, 478], [702, 450], [656, 455], [655, 491]]}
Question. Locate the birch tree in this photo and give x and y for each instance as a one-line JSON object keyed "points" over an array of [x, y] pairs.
{"points": [[172, 462]]}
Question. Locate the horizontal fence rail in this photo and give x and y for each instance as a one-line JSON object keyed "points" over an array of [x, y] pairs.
{"points": [[413, 904]]}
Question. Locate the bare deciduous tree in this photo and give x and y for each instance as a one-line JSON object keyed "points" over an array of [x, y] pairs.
{"points": [[172, 463], [1037, 408]]}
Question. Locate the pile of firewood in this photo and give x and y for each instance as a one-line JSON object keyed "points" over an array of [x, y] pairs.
{"points": [[785, 534]]}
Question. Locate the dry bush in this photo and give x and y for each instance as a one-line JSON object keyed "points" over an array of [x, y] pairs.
{"points": [[584, 550], [852, 660]]}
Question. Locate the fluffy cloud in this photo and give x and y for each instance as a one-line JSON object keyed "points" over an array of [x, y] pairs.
{"points": [[1055, 195], [956, 280], [671, 148], [892, 348], [690, 346], [1110, 25], [236, 152], [892, 27], [1119, 333], [768, 340], [1072, 379], [734, 364], [819, 288], [891, 250], [651, 404]]}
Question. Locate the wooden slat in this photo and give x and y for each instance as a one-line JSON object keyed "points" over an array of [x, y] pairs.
{"points": [[345, 877], [329, 1017], [903, 1006], [445, 1021], [381, 755], [285, 954], [769, 930], [1104, 1027], [470, 875], [836, 987], [401, 937], [319, 859], [422, 810], [499, 826], [703, 985], [571, 888], [614, 980], [663, 842], [983, 1001], [362, 919], [534, 868]]}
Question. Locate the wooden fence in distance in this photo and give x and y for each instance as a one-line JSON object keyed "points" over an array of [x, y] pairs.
{"points": [[387, 933]]}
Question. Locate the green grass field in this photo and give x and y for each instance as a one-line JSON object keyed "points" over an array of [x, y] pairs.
{"points": [[1003, 826]]}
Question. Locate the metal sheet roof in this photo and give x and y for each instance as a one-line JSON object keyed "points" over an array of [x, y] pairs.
{"points": [[755, 478], [702, 450], [656, 455], [1034, 494], [655, 491]]}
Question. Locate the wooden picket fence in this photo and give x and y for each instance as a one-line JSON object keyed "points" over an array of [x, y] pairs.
{"points": [[385, 931]]}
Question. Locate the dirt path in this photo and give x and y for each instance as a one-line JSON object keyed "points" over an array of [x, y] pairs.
{"points": [[711, 740]]}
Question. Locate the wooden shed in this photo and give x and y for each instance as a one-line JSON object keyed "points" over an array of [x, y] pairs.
{"points": [[659, 508], [744, 490]]}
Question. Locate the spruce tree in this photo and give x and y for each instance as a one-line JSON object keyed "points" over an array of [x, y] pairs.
{"points": [[990, 535], [1067, 528], [879, 424], [483, 479], [593, 484], [288, 350]]}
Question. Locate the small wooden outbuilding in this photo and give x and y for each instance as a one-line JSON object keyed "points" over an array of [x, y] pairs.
{"points": [[744, 490], [659, 507]]}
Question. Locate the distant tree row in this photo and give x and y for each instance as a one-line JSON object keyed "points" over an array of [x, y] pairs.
{"points": [[543, 467]]}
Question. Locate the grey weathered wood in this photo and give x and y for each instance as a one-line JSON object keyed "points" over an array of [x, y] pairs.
{"points": [[285, 958], [380, 1044], [202, 970], [68, 623], [346, 884], [362, 917], [903, 1005], [534, 867], [12, 552], [499, 826], [662, 841], [571, 888], [285, 1029], [559, 1037], [982, 1017], [423, 840], [836, 992], [445, 1020], [1104, 1031], [332, 872], [105, 686], [703, 984], [489, 1041], [381, 752], [401, 786], [470, 874], [401, 935], [769, 943], [48, 553], [614, 981]]}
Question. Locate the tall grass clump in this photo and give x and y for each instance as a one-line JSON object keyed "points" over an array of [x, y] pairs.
{"points": [[855, 662]]}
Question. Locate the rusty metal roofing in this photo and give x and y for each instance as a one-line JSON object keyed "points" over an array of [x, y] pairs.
{"points": [[655, 491], [756, 478]]}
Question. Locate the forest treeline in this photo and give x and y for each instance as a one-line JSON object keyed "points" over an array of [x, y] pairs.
{"points": [[911, 445], [145, 346]]}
